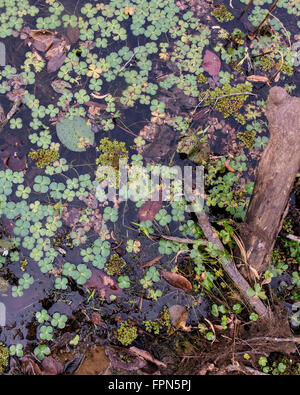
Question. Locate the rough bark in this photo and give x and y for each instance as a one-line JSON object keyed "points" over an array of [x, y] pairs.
{"points": [[275, 177]]}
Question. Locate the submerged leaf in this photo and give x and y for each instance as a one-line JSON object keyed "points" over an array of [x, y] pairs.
{"points": [[147, 356], [75, 134], [211, 63], [178, 316], [103, 284], [123, 358], [73, 34], [177, 281], [51, 366]]}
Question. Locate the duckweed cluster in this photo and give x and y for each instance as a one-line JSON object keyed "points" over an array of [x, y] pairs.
{"points": [[163, 323], [127, 333], [4, 357], [44, 157], [115, 265], [228, 100], [248, 138], [221, 13]]}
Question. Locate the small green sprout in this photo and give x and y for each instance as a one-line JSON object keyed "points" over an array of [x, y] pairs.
{"points": [[42, 351], [61, 283], [42, 316], [26, 281], [74, 341], [59, 320], [46, 332], [124, 282], [16, 350]]}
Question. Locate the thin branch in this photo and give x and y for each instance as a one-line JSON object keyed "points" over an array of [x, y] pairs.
{"points": [[230, 268], [293, 237], [275, 339], [266, 17], [128, 61], [232, 94]]}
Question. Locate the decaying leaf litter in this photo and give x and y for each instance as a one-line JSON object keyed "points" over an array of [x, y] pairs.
{"points": [[175, 83]]}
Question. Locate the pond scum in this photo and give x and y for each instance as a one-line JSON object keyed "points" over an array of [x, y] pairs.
{"points": [[83, 87]]}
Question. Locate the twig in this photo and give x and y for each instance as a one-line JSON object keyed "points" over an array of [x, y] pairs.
{"points": [[265, 18], [126, 130], [128, 61], [230, 267], [286, 32], [244, 369], [246, 8], [232, 94], [178, 239], [275, 339], [294, 238], [12, 112]]}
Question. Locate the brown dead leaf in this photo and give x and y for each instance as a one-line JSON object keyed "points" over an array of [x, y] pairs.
{"points": [[146, 355], [178, 317], [29, 366], [55, 63], [51, 366], [73, 34], [148, 210], [91, 103], [42, 39], [258, 78], [177, 281], [103, 284], [211, 63], [97, 320], [123, 358], [152, 262], [56, 54]]}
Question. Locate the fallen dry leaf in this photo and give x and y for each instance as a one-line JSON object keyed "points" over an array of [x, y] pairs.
{"points": [[146, 355], [103, 284], [177, 280], [211, 63], [152, 262], [55, 63], [73, 34], [97, 320], [42, 39], [29, 366], [123, 358], [178, 317], [148, 210], [258, 78], [51, 366]]}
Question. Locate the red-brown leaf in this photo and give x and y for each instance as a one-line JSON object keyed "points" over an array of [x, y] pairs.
{"points": [[73, 34], [152, 262], [51, 366], [258, 78], [211, 63], [177, 281], [55, 63], [104, 285], [29, 366], [149, 209], [97, 320]]}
